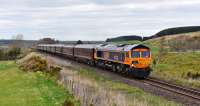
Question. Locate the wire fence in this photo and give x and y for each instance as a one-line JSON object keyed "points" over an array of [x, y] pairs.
{"points": [[90, 93]]}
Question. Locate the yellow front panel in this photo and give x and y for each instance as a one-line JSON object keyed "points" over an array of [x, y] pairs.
{"points": [[142, 62]]}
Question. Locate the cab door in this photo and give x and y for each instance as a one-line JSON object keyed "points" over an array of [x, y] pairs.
{"points": [[127, 58]]}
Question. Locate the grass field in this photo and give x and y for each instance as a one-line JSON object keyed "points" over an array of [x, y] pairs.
{"points": [[182, 68], [19, 88]]}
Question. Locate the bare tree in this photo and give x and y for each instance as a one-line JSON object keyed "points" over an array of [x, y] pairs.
{"points": [[18, 37], [79, 42], [18, 41], [1, 54]]}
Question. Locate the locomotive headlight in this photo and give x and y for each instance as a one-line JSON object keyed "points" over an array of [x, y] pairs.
{"points": [[135, 62]]}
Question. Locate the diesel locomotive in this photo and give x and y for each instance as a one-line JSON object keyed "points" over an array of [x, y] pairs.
{"points": [[132, 60]]}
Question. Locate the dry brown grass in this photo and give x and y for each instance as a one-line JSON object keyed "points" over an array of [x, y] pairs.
{"points": [[91, 92]]}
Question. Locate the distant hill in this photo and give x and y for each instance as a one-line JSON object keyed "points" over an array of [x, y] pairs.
{"points": [[174, 31], [5, 42], [125, 38], [178, 30], [165, 32]]}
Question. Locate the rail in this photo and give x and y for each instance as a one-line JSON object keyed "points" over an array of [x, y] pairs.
{"points": [[188, 92]]}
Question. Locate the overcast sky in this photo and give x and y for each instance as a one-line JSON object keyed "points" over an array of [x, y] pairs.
{"points": [[94, 19]]}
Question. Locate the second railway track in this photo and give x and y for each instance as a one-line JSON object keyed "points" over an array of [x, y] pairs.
{"points": [[187, 92]]}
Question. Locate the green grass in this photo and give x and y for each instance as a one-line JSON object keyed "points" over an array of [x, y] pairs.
{"points": [[154, 45], [19, 88], [134, 92], [5, 65], [177, 66]]}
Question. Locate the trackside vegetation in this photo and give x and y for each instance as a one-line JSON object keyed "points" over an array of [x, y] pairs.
{"points": [[116, 93], [9, 53], [20, 88], [176, 58], [182, 68]]}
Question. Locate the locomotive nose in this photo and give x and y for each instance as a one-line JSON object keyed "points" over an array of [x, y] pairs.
{"points": [[141, 63]]}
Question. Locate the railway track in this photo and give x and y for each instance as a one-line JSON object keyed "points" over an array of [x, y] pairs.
{"points": [[187, 92]]}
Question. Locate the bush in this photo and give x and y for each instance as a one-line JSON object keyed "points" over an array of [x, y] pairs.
{"points": [[193, 75], [54, 70], [37, 63], [34, 63], [10, 53], [1, 54], [13, 53], [69, 103]]}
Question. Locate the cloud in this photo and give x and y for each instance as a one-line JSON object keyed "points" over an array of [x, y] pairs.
{"points": [[94, 19]]}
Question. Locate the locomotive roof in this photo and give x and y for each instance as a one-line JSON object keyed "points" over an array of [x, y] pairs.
{"points": [[112, 47]]}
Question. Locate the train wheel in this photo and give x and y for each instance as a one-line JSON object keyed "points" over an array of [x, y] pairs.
{"points": [[123, 68], [126, 70], [92, 63], [114, 68]]}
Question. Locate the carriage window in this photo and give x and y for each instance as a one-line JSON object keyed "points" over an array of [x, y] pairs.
{"points": [[112, 55], [100, 54], [145, 54], [135, 54], [122, 56]]}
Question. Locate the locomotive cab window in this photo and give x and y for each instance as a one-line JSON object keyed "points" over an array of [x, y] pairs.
{"points": [[135, 54], [145, 54]]}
